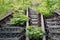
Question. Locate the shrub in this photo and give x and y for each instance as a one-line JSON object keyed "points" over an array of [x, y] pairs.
{"points": [[35, 33], [47, 7], [19, 19]]}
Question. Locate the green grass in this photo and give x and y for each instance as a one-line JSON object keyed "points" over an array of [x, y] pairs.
{"points": [[2, 15], [6, 6]]}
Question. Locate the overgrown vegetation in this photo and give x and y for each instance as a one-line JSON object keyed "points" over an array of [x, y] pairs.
{"points": [[19, 19], [58, 4], [47, 7], [9, 5], [35, 32]]}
